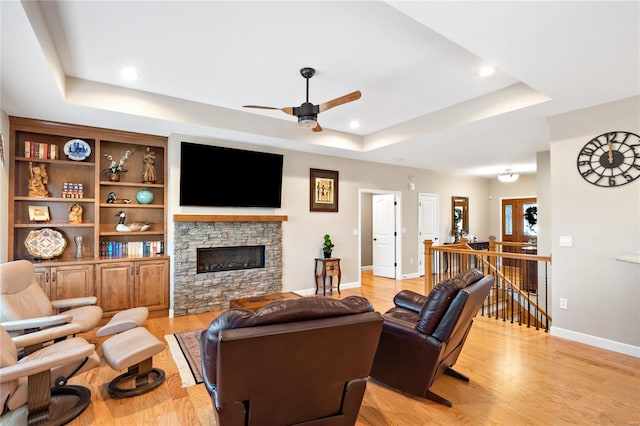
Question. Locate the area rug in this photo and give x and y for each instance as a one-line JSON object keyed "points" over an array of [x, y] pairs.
{"points": [[185, 349]]}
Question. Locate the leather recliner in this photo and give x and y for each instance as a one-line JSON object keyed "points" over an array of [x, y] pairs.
{"points": [[423, 336], [300, 361], [34, 389], [25, 307]]}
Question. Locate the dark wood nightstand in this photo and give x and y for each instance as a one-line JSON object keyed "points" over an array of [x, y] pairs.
{"points": [[327, 268]]}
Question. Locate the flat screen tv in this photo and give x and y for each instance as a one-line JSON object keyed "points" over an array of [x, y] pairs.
{"points": [[214, 176]]}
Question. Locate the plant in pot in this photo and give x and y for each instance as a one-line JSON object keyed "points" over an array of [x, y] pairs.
{"points": [[327, 246]]}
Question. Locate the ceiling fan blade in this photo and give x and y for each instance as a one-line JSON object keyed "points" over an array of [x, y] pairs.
{"points": [[286, 110], [317, 128], [353, 96]]}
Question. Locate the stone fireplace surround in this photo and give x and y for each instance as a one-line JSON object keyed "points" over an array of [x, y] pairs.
{"points": [[211, 291]]}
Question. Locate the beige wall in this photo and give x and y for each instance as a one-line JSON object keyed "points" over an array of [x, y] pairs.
{"points": [[366, 230], [603, 293], [303, 232]]}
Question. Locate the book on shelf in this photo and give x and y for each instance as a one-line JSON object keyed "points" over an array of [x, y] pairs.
{"points": [[40, 151], [131, 248]]}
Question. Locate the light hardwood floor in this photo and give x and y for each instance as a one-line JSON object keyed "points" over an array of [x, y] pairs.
{"points": [[519, 376]]}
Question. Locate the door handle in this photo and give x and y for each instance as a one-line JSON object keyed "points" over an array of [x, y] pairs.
{"points": [[375, 239]]}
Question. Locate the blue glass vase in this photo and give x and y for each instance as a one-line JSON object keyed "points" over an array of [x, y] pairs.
{"points": [[144, 196]]}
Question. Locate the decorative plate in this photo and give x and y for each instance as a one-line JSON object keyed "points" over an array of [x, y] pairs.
{"points": [[45, 243], [77, 149]]}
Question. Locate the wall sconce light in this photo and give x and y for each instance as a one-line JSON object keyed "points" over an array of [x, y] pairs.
{"points": [[412, 184], [508, 176]]}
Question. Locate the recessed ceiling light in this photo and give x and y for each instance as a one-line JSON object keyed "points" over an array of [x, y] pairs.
{"points": [[355, 124], [130, 73], [486, 71]]}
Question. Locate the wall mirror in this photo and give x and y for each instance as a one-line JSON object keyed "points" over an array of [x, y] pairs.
{"points": [[460, 214]]}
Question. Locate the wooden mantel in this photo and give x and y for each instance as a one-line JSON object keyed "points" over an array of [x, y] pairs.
{"points": [[227, 218]]}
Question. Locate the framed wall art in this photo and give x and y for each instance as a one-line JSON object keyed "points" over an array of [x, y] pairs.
{"points": [[39, 214], [323, 190]]}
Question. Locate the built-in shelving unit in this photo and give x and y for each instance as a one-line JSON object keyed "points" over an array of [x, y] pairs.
{"points": [[99, 217]]}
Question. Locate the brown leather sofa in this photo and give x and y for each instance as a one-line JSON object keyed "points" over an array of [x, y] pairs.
{"points": [[300, 361], [423, 336]]}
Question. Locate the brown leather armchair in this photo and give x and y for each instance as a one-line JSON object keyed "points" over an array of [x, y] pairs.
{"points": [[301, 361], [423, 336]]}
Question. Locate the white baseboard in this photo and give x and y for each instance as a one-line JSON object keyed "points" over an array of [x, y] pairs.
{"points": [[409, 276], [366, 268], [598, 342], [312, 291]]}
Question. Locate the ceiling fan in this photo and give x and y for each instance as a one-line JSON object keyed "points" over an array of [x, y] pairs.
{"points": [[307, 113]]}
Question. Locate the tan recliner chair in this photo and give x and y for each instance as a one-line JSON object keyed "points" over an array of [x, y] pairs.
{"points": [[34, 389], [25, 307]]}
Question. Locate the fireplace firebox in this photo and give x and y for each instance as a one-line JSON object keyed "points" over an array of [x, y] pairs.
{"points": [[216, 259]]}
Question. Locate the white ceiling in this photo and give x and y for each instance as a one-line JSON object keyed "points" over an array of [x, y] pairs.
{"points": [[423, 104]]}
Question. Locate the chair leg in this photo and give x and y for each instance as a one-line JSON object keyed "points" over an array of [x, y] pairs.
{"points": [[453, 373], [437, 398]]}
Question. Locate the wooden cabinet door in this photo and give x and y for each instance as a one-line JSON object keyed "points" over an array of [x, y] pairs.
{"points": [[115, 286], [72, 281], [151, 284], [42, 276]]}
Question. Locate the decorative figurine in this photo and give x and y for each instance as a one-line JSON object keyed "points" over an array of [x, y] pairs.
{"points": [[75, 213], [149, 172], [130, 227], [37, 181], [111, 199]]}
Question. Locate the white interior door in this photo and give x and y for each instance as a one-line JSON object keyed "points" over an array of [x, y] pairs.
{"points": [[428, 225], [384, 235]]}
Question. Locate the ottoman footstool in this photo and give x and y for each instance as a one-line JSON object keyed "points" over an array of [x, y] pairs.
{"points": [[133, 349]]}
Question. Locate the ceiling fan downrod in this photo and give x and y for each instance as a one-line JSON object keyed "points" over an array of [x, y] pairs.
{"points": [[307, 73]]}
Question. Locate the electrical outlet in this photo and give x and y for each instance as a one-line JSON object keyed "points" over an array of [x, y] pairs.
{"points": [[563, 303]]}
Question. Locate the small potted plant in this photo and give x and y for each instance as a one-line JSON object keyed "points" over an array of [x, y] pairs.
{"points": [[327, 246]]}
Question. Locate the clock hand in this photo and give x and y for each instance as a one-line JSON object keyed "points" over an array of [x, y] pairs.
{"points": [[610, 150]]}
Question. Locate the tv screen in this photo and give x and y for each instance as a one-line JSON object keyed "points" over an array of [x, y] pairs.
{"points": [[214, 176]]}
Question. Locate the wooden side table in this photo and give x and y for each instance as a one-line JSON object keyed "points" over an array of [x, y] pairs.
{"points": [[327, 268]]}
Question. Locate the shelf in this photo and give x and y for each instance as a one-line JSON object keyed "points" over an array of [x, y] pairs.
{"points": [[131, 184], [54, 225], [55, 199], [227, 218], [124, 234], [132, 205], [66, 163]]}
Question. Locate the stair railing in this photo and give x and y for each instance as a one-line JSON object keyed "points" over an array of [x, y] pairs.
{"points": [[521, 288]]}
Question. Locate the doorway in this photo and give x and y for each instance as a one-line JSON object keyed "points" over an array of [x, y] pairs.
{"points": [[519, 222], [393, 249], [428, 226]]}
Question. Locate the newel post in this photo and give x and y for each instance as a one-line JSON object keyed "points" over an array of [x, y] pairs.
{"points": [[492, 247], [428, 266]]}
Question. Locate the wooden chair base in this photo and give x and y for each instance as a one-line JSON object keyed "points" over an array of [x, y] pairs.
{"points": [[143, 382], [66, 403]]}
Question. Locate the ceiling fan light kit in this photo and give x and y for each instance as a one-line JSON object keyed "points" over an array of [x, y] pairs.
{"points": [[307, 113], [508, 176]]}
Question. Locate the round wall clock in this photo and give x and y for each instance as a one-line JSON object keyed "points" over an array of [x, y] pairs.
{"points": [[611, 159]]}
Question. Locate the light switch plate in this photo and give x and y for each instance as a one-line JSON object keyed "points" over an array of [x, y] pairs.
{"points": [[566, 241]]}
